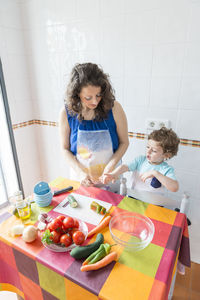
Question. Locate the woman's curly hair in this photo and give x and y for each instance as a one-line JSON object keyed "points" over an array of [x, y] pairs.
{"points": [[167, 139], [83, 75]]}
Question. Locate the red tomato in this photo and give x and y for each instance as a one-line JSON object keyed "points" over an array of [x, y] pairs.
{"points": [[71, 231], [55, 237], [76, 223], [78, 237], [49, 226], [66, 239], [56, 224], [68, 222], [61, 217]]}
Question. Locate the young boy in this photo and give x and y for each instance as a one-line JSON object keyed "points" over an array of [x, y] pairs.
{"points": [[152, 172]]}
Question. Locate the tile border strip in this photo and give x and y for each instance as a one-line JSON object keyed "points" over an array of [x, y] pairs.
{"points": [[142, 136]]}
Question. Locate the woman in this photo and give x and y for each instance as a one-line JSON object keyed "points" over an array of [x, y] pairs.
{"points": [[93, 126]]}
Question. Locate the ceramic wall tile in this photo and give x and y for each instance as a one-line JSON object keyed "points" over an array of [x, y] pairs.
{"points": [[190, 93], [136, 117], [187, 182], [11, 15], [188, 159], [30, 14], [192, 60], [28, 157], [143, 5], [138, 60], [112, 64], [172, 24], [86, 34], [194, 23], [118, 86], [139, 28], [88, 8], [65, 11], [36, 13], [190, 117], [14, 41], [168, 59], [165, 92], [114, 37], [109, 8], [136, 91]]}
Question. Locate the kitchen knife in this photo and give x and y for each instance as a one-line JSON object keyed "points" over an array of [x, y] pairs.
{"points": [[69, 188]]}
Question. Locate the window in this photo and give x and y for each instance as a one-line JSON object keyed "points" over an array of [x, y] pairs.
{"points": [[10, 179]]}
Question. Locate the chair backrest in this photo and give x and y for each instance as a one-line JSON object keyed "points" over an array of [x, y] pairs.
{"points": [[153, 198]]}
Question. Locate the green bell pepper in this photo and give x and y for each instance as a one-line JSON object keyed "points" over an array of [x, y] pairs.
{"points": [[101, 252]]}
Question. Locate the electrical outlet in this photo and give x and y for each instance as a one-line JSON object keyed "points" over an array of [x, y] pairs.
{"points": [[154, 124], [151, 124], [163, 123]]}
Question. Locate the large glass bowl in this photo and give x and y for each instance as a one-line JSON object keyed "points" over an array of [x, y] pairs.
{"points": [[131, 230]]}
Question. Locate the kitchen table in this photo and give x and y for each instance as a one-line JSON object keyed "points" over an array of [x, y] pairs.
{"points": [[36, 273]]}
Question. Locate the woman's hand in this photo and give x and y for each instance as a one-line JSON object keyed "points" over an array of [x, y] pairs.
{"points": [[86, 180]]}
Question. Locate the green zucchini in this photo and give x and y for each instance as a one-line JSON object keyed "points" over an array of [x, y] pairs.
{"points": [[84, 251], [72, 201]]}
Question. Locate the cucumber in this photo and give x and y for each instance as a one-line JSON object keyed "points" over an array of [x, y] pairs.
{"points": [[84, 251], [72, 201]]}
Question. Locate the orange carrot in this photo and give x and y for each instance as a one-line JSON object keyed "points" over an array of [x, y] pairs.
{"points": [[100, 226], [101, 263]]}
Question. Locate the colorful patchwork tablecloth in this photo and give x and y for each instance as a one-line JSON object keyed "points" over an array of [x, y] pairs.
{"points": [[36, 273]]}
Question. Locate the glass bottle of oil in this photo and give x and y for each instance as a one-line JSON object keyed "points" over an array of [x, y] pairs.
{"points": [[23, 208]]}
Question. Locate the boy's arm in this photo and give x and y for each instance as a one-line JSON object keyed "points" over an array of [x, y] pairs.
{"points": [[170, 184], [112, 176]]}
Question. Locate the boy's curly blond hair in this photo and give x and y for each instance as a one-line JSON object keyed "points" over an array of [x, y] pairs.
{"points": [[167, 139]]}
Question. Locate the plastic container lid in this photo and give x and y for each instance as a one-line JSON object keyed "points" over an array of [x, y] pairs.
{"points": [[41, 188]]}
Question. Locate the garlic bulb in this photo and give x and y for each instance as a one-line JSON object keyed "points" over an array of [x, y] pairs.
{"points": [[29, 234]]}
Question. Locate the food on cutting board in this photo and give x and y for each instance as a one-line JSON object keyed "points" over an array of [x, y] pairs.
{"points": [[100, 226], [98, 208], [84, 251], [63, 231], [72, 201]]}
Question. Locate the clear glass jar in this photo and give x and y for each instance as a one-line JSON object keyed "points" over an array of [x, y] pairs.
{"points": [[23, 208]]}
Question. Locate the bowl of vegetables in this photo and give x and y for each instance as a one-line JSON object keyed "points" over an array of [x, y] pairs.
{"points": [[64, 233], [133, 231]]}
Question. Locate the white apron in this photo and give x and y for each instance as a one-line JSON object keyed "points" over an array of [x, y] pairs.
{"points": [[94, 150]]}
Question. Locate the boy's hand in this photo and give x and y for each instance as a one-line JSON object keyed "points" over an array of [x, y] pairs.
{"points": [[148, 174], [107, 177]]}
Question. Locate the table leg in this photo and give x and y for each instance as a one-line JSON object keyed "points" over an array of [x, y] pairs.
{"points": [[171, 291]]}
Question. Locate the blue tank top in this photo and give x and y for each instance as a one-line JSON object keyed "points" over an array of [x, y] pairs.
{"points": [[91, 125]]}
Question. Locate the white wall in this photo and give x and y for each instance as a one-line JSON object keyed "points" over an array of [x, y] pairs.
{"points": [[17, 80], [150, 48]]}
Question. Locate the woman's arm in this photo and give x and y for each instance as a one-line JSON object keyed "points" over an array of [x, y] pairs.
{"points": [[170, 184], [122, 131], [64, 131]]}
